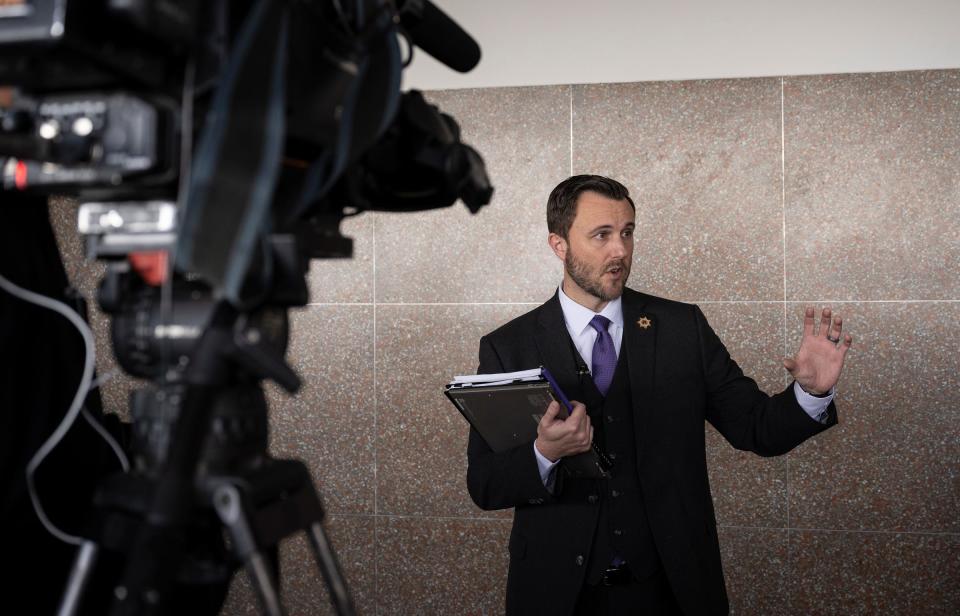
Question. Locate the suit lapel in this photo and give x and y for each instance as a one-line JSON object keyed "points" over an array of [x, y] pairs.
{"points": [[639, 342], [558, 352]]}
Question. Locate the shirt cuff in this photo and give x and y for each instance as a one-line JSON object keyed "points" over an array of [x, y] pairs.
{"points": [[546, 468], [813, 406]]}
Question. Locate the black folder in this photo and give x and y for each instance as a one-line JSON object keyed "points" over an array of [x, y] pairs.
{"points": [[506, 416]]}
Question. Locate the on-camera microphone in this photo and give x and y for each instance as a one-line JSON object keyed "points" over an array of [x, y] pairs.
{"points": [[438, 35]]}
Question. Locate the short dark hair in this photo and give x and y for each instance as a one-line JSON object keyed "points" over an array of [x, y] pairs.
{"points": [[562, 204]]}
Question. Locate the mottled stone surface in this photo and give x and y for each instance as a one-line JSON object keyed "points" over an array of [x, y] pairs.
{"points": [[500, 254], [346, 280], [748, 490], [874, 573], [892, 462], [702, 162], [303, 590], [422, 439], [441, 566], [866, 185], [873, 186], [330, 423], [755, 567], [85, 276]]}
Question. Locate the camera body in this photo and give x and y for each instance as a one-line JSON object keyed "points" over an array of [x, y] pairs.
{"points": [[91, 94], [117, 103]]}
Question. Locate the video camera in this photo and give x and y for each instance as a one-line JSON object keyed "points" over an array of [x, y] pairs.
{"points": [[103, 96], [214, 148]]}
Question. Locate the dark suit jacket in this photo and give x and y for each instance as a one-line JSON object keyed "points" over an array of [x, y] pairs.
{"points": [[680, 375]]}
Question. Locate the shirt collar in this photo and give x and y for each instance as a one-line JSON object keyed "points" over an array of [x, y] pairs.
{"points": [[578, 317]]}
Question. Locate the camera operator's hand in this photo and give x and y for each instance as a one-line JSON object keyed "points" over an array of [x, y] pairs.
{"points": [[558, 438]]}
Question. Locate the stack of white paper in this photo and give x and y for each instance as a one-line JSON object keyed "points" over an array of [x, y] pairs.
{"points": [[503, 378]]}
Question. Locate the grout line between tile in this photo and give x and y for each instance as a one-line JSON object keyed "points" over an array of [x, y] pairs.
{"points": [[783, 218], [726, 526], [381, 304], [842, 530], [747, 527], [783, 193], [862, 531], [570, 90], [874, 301], [788, 594], [376, 437], [393, 516], [340, 304], [685, 300]]}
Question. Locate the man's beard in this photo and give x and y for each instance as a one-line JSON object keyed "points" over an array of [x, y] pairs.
{"points": [[591, 280]]}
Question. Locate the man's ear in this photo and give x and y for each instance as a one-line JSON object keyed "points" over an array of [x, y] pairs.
{"points": [[558, 245]]}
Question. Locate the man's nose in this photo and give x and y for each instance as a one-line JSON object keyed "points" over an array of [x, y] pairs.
{"points": [[618, 248]]}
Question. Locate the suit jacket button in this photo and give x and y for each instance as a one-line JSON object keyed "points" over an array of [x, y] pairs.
{"points": [[579, 560], [592, 499]]}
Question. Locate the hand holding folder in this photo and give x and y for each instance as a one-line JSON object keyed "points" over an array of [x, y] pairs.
{"points": [[561, 434], [507, 408]]}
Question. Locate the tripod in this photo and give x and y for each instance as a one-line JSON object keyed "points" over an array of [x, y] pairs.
{"points": [[202, 468]]}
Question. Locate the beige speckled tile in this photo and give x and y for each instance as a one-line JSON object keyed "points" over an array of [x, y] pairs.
{"points": [[346, 280], [873, 186], [702, 162], [302, 587], [892, 462], [85, 275], [241, 599], [330, 423], [874, 573], [441, 566], [500, 254], [748, 490], [755, 569], [422, 439]]}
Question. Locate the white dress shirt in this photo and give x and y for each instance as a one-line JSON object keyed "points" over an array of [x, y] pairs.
{"points": [[577, 319]]}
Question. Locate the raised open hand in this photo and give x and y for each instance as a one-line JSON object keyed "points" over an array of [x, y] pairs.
{"points": [[817, 364]]}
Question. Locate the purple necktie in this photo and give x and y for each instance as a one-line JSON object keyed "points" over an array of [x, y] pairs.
{"points": [[604, 354]]}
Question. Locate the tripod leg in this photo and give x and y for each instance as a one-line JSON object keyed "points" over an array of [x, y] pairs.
{"points": [[330, 568], [262, 578], [229, 507], [79, 576]]}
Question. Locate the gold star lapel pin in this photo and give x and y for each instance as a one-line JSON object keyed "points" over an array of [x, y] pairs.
{"points": [[643, 323]]}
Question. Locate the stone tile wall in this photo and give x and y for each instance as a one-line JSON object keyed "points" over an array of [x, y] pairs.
{"points": [[755, 197]]}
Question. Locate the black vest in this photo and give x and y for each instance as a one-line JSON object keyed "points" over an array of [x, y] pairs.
{"points": [[622, 527]]}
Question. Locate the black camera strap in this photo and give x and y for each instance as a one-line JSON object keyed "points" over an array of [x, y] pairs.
{"points": [[228, 208]]}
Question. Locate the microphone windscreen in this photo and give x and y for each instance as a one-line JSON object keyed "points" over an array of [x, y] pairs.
{"points": [[442, 38]]}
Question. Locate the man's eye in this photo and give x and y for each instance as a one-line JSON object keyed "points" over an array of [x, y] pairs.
{"points": [[601, 235], [628, 233]]}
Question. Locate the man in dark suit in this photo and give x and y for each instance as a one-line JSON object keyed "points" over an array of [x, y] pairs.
{"points": [[645, 373]]}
